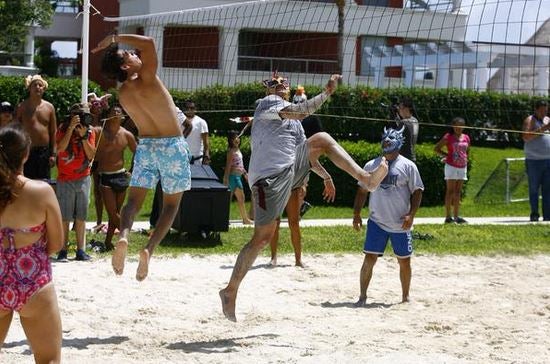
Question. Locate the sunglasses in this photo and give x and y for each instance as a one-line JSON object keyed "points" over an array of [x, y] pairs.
{"points": [[277, 81]]}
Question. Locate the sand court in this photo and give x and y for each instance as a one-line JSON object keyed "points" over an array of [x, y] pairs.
{"points": [[464, 310]]}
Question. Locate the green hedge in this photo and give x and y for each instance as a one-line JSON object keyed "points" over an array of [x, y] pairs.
{"points": [[439, 106], [62, 93], [346, 105], [429, 165]]}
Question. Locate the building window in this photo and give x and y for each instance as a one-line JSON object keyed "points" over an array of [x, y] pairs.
{"points": [[288, 52], [191, 47], [70, 7]]}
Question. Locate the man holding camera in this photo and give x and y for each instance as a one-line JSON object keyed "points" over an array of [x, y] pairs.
{"points": [[75, 142], [405, 117]]}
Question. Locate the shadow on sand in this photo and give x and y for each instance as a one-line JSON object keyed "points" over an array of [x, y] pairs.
{"points": [[216, 346], [352, 305], [77, 343]]}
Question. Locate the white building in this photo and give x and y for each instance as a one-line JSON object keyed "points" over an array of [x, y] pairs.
{"points": [[229, 42]]}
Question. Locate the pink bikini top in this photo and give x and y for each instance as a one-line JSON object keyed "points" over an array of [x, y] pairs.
{"points": [[25, 270]]}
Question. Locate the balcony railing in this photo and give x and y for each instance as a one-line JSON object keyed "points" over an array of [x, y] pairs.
{"points": [[435, 5], [300, 65]]}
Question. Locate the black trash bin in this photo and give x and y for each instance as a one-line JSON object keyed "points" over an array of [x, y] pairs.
{"points": [[205, 208]]}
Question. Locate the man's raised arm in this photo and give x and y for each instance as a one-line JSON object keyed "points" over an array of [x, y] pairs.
{"points": [[145, 45]]}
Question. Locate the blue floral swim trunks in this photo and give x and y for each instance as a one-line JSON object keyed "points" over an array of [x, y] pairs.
{"points": [[164, 159]]}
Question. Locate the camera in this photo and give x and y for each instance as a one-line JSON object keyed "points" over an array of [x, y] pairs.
{"points": [[85, 119], [393, 108]]}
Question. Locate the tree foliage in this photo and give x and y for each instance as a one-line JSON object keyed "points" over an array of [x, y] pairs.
{"points": [[17, 15]]}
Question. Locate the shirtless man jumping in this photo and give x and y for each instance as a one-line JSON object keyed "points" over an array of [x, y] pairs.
{"points": [[280, 161], [162, 153], [39, 121]]}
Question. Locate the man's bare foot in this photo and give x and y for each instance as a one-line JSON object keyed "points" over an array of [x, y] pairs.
{"points": [[228, 305], [405, 299], [273, 262], [299, 264], [143, 266], [361, 302], [372, 180], [247, 222], [119, 256]]}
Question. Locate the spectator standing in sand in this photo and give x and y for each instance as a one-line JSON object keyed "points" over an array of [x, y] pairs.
{"points": [[75, 140], [39, 121], [98, 105], [392, 208], [296, 206], [30, 230], [114, 178], [162, 153]]}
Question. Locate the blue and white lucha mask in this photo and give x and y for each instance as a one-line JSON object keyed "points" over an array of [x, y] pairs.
{"points": [[392, 140]]}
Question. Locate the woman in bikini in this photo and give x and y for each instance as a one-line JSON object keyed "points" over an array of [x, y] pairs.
{"points": [[30, 230]]}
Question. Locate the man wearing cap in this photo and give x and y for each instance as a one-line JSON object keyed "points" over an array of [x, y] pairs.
{"points": [[392, 206], [6, 113], [76, 145], [39, 121], [280, 161]]}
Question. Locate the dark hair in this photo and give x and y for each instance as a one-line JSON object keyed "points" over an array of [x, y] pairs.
{"points": [[407, 102], [188, 103], [231, 136], [14, 144], [458, 120], [6, 107], [540, 103], [111, 62]]}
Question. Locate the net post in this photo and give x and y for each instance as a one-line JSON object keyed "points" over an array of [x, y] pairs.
{"points": [[85, 50]]}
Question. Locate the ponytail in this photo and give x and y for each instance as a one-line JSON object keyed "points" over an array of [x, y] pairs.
{"points": [[14, 145]]}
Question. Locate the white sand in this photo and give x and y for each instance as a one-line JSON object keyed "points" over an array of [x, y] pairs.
{"points": [[465, 310]]}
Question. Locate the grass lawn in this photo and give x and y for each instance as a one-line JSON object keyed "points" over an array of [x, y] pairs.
{"points": [[442, 239], [484, 161], [438, 239]]}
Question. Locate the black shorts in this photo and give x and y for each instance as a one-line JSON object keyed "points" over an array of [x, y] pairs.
{"points": [[38, 164], [118, 182]]}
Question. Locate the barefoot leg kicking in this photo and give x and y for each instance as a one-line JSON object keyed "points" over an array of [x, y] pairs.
{"points": [[279, 161]]}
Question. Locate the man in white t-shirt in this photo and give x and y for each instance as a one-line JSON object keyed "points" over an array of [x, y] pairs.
{"points": [[392, 208], [195, 131]]}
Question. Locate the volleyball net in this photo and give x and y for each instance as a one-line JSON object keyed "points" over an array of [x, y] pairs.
{"points": [[484, 60]]}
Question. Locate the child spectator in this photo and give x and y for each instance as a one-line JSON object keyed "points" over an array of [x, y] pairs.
{"points": [[234, 170], [456, 164]]}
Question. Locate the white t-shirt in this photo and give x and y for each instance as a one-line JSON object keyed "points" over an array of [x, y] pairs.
{"points": [[274, 140], [392, 199], [194, 139]]}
